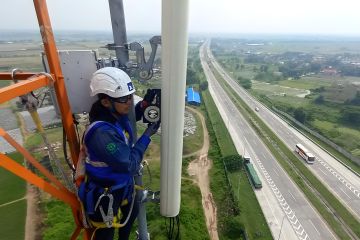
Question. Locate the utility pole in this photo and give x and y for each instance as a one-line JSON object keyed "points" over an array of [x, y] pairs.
{"points": [[122, 54]]}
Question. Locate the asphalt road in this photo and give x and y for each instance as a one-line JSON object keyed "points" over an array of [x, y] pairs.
{"points": [[286, 209]]}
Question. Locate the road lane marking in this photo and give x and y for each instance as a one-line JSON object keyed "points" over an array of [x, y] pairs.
{"points": [[292, 196], [341, 179], [314, 227], [323, 171], [345, 193]]}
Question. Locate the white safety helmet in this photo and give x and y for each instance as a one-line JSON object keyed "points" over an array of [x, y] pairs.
{"points": [[112, 82]]}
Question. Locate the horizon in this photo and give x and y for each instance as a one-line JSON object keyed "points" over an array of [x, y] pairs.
{"points": [[278, 35]]}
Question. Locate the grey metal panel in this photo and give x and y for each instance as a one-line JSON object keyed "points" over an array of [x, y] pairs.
{"points": [[77, 67]]}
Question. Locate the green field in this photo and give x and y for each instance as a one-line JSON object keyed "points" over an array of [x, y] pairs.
{"points": [[340, 135], [12, 221], [307, 83], [277, 89], [12, 187]]}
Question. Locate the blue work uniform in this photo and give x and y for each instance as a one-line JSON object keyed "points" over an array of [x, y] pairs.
{"points": [[113, 160]]}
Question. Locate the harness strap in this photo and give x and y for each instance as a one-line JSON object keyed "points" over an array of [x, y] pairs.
{"points": [[109, 216], [96, 163], [115, 221]]}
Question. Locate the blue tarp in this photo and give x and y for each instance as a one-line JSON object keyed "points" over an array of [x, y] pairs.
{"points": [[193, 97]]}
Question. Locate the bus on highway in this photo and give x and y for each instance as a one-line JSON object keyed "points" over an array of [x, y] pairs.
{"points": [[304, 153]]}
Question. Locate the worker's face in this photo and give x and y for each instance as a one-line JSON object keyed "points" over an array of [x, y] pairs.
{"points": [[122, 105]]}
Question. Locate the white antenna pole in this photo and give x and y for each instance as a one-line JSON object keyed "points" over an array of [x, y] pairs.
{"points": [[174, 43]]}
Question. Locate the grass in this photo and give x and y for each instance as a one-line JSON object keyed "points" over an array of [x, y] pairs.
{"points": [[12, 221], [307, 83], [276, 89], [4, 83], [192, 219], [12, 187], [340, 135], [58, 222], [194, 142]]}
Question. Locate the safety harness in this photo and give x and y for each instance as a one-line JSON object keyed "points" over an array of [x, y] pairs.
{"points": [[89, 190]]}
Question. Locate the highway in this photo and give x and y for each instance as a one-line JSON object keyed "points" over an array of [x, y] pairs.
{"points": [[342, 182], [287, 211]]}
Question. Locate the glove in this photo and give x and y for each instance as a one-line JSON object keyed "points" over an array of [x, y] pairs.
{"points": [[152, 129], [140, 106], [139, 110], [149, 96]]}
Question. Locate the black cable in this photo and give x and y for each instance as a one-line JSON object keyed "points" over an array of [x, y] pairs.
{"points": [[65, 152], [77, 131], [174, 225], [33, 94], [178, 227], [42, 101]]}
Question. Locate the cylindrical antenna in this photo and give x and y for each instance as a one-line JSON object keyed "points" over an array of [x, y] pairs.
{"points": [[174, 59]]}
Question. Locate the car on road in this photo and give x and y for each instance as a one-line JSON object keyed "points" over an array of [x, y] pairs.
{"points": [[256, 109]]}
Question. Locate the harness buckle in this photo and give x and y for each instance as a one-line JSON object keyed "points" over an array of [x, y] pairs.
{"points": [[109, 217], [150, 196]]}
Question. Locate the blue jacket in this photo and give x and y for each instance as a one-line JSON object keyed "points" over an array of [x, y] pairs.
{"points": [[112, 157]]}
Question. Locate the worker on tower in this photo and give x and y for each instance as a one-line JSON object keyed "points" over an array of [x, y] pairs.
{"points": [[113, 158]]}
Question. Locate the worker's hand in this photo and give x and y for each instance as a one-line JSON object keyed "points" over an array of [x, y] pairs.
{"points": [[143, 104], [149, 96], [152, 129]]}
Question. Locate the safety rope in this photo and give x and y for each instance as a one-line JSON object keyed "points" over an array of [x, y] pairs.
{"points": [[30, 101]]}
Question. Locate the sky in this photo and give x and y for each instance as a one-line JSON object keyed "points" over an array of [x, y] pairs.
{"points": [[205, 16]]}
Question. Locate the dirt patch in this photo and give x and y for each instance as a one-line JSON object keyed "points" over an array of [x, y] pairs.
{"points": [[199, 169], [33, 216]]}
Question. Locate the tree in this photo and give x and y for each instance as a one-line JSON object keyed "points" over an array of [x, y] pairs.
{"points": [[356, 99], [300, 115], [351, 114], [191, 77], [203, 85], [319, 100], [246, 83], [233, 162], [264, 68]]}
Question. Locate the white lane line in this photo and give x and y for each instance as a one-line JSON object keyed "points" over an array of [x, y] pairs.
{"points": [[314, 227], [292, 196], [340, 178], [276, 172], [8, 203], [345, 193], [295, 223], [323, 172]]}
